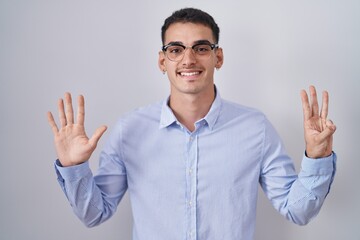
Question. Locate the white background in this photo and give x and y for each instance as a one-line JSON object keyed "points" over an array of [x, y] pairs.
{"points": [[107, 50]]}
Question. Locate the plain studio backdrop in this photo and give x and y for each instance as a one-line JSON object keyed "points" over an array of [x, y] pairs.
{"points": [[107, 50]]}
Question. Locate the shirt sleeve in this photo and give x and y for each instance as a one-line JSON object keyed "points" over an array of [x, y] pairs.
{"points": [[298, 197], [310, 189], [94, 199]]}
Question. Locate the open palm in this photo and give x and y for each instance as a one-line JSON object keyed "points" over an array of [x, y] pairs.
{"points": [[71, 142]]}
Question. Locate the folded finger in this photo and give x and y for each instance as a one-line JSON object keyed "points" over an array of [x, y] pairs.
{"points": [[326, 133], [330, 125]]}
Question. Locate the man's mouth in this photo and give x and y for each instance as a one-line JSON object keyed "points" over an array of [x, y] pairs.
{"points": [[189, 74]]}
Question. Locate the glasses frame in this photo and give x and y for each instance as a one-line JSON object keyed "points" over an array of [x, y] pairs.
{"points": [[165, 47]]}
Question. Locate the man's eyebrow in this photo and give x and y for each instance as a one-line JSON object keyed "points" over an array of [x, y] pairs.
{"points": [[175, 43], [202, 41]]}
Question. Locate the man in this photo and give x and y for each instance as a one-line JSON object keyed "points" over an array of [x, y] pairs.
{"points": [[192, 164]]}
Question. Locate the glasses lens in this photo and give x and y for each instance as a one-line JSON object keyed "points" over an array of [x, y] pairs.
{"points": [[175, 53], [202, 50]]}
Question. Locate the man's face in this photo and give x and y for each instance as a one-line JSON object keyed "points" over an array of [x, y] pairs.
{"points": [[191, 75]]}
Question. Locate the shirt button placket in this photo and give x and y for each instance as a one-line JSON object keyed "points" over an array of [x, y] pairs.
{"points": [[191, 176]]}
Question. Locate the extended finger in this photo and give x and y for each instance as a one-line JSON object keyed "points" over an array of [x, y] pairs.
{"points": [[324, 105], [314, 101], [97, 135], [305, 105], [52, 123], [61, 111], [81, 110], [69, 109]]}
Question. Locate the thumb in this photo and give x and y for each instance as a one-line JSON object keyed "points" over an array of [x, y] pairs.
{"points": [[327, 132], [331, 125], [97, 135]]}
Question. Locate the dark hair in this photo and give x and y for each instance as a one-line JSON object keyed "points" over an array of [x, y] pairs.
{"points": [[191, 15]]}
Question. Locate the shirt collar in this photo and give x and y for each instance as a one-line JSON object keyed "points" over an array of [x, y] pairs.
{"points": [[214, 112], [168, 118]]}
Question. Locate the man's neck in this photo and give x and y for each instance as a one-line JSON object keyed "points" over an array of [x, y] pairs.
{"points": [[189, 108]]}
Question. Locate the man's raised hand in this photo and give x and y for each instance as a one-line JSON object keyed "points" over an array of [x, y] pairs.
{"points": [[318, 130], [71, 142]]}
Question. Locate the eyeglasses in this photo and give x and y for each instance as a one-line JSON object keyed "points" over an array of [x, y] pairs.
{"points": [[175, 51]]}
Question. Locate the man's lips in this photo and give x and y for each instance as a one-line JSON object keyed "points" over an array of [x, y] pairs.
{"points": [[189, 74]]}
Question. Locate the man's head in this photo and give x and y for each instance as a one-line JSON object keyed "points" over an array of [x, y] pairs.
{"points": [[191, 15], [190, 52]]}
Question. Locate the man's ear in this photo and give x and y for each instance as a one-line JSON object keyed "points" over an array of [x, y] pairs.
{"points": [[161, 62], [219, 58]]}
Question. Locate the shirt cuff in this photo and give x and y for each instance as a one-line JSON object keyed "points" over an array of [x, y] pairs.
{"points": [[72, 173], [319, 166]]}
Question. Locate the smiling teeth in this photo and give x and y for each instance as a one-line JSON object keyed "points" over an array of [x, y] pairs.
{"points": [[189, 73]]}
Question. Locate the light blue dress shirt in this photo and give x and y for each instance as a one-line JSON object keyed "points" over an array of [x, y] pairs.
{"points": [[196, 185]]}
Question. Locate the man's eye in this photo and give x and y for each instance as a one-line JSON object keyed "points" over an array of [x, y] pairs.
{"points": [[175, 50], [202, 48]]}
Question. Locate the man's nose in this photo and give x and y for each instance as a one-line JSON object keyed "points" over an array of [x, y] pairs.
{"points": [[189, 56]]}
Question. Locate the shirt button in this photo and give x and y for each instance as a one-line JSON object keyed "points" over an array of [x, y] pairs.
{"points": [[190, 171]]}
